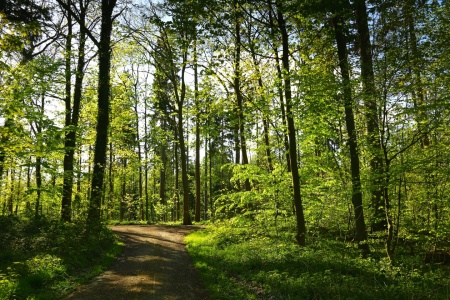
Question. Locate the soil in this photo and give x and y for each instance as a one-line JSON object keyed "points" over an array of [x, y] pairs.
{"points": [[154, 265]]}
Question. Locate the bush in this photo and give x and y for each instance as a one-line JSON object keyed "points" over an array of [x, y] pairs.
{"points": [[46, 258]]}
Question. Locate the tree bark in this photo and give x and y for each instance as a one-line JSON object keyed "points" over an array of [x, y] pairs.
{"points": [[417, 90], [371, 110], [280, 87], [177, 177], [264, 116], [103, 91], [162, 174], [357, 199], [197, 138], [72, 120], [238, 92], [301, 227]]}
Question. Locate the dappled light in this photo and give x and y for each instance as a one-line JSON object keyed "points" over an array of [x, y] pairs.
{"points": [[154, 264], [309, 138]]}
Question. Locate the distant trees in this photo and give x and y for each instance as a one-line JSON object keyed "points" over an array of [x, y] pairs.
{"points": [[328, 115]]}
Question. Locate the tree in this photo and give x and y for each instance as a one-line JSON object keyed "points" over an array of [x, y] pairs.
{"points": [[103, 92], [369, 92], [72, 111], [301, 227], [237, 87], [357, 199]]}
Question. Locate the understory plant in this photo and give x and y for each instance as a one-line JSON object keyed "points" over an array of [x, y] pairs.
{"points": [[45, 259], [240, 260]]}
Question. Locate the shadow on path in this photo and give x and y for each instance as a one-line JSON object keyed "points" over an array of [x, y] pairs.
{"points": [[154, 265]]}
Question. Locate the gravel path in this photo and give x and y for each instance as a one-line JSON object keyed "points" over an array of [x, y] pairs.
{"points": [[154, 265]]}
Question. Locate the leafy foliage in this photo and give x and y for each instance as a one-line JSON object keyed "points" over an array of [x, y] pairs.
{"points": [[44, 259], [239, 261]]}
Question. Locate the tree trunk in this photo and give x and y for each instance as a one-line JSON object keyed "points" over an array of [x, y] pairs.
{"points": [[205, 205], [371, 110], [123, 191], [3, 141], [138, 141], [162, 175], [237, 90], [11, 193], [357, 199], [177, 178], [280, 88], [111, 182], [184, 175], [146, 163], [104, 53], [72, 120], [417, 90], [197, 139], [301, 227]]}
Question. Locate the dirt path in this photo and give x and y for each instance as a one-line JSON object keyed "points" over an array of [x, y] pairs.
{"points": [[154, 265]]}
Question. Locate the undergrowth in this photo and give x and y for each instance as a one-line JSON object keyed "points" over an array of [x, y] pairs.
{"points": [[249, 262], [45, 259]]}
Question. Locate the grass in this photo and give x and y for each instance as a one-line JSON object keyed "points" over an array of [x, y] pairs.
{"points": [[45, 259], [252, 263]]}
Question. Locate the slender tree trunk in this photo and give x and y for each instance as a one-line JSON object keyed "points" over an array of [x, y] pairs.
{"points": [[146, 163], [180, 98], [417, 90], [5, 133], [138, 141], [19, 187], [38, 187], [280, 88], [238, 92], [205, 205], [237, 145], [371, 110], [72, 120], [184, 175], [111, 181], [140, 184], [162, 176], [67, 164], [389, 242], [301, 227], [264, 111], [177, 178], [124, 191], [357, 199], [197, 139], [101, 140], [11, 192], [210, 190]]}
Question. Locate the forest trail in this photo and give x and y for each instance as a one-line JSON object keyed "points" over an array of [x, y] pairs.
{"points": [[154, 265]]}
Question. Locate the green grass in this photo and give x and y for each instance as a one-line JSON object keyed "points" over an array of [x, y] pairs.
{"points": [[251, 263], [47, 259]]}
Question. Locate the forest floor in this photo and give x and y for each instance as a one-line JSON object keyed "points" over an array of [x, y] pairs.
{"points": [[154, 265]]}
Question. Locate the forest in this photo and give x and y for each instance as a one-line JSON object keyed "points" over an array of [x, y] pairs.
{"points": [[309, 136]]}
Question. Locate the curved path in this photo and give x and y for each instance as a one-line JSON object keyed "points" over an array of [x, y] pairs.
{"points": [[154, 265]]}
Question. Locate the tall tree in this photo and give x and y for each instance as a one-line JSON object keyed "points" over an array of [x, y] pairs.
{"points": [[197, 135], [237, 86], [301, 226], [371, 110], [357, 199], [72, 113], [103, 94]]}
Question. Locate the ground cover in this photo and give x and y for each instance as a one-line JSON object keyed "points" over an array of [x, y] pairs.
{"points": [[45, 259], [239, 261]]}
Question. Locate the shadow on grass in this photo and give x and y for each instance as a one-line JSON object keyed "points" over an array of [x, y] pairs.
{"points": [[260, 268]]}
